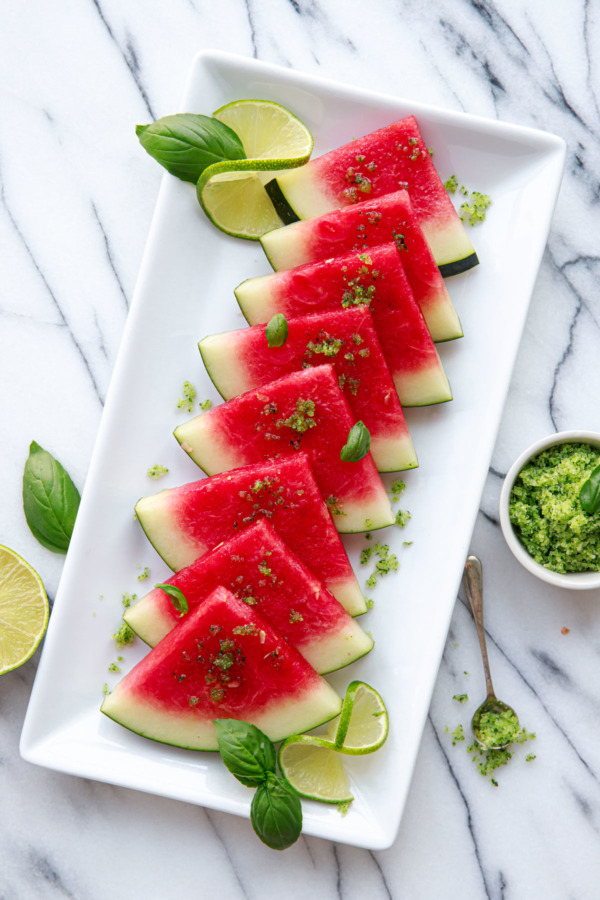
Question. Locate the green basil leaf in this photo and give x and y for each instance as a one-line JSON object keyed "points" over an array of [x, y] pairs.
{"points": [[277, 331], [589, 496], [276, 813], [176, 596], [358, 443], [50, 500], [186, 144], [246, 751]]}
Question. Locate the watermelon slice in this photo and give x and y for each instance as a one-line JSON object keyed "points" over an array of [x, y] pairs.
{"points": [[358, 228], [258, 568], [185, 522], [375, 279], [379, 163], [302, 411], [241, 360], [222, 661]]}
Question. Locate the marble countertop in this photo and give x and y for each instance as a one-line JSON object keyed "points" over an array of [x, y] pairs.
{"points": [[76, 200]]}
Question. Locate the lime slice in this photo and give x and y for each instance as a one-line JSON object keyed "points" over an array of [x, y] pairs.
{"points": [[232, 192], [23, 610], [362, 726], [236, 201], [314, 768], [268, 131]]}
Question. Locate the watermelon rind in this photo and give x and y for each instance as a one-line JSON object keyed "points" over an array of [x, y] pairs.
{"points": [[282, 207], [292, 717], [162, 530]]}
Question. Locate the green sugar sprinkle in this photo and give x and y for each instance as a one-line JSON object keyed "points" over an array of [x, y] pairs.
{"points": [[189, 395], [546, 513], [124, 635], [402, 517], [157, 471]]}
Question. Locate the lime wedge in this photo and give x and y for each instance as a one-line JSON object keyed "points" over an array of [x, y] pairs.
{"points": [[362, 726], [232, 192], [314, 768], [23, 610]]}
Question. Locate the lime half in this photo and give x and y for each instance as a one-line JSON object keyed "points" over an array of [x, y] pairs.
{"points": [[232, 192], [23, 610], [362, 726], [314, 768]]}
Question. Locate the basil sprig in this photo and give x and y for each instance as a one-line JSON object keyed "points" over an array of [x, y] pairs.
{"points": [[358, 443], [276, 812], [276, 331], [589, 496], [187, 143], [176, 596], [50, 500]]}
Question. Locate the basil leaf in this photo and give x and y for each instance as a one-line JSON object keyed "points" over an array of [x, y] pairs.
{"points": [[589, 496], [186, 144], [176, 596], [276, 813], [358, 443], [246, 751], [277, 331], [50, 500]]}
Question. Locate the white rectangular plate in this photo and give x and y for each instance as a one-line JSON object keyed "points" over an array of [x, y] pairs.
{"points": [[185, 291]]}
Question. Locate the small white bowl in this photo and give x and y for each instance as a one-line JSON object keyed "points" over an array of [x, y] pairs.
{"points": [[577, 581]]}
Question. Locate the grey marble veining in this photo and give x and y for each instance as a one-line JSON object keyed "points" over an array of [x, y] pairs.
{"points": [[76, 199]]}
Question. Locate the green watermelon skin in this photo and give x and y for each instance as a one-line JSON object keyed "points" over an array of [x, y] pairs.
{"points": [[270, 423], [375, 278], [183, 523], [222, 661], [258, 568], [388, 219], [378, 164], [241, 360]]}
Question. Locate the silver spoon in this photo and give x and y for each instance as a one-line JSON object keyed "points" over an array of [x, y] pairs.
{"points": [[500, 723]]}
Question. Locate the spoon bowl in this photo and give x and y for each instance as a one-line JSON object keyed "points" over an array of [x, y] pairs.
{"points": [[495, 724]]}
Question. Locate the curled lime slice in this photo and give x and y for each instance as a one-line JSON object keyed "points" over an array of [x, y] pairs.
{"points": [[314, 768], [232, 192], [362, 726]]}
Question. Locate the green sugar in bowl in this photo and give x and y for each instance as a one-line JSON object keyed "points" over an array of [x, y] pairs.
{"points": [[541, 515]]}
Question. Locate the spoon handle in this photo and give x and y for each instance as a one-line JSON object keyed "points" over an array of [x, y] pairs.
{"points": [[473, 577]]}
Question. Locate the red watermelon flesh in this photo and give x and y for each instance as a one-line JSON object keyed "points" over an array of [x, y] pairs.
{"points": [[389, 219], [374, 278], [241, 360], [259, 569], [222, 661], [391, 158], [302, 411], [183, 523]]}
